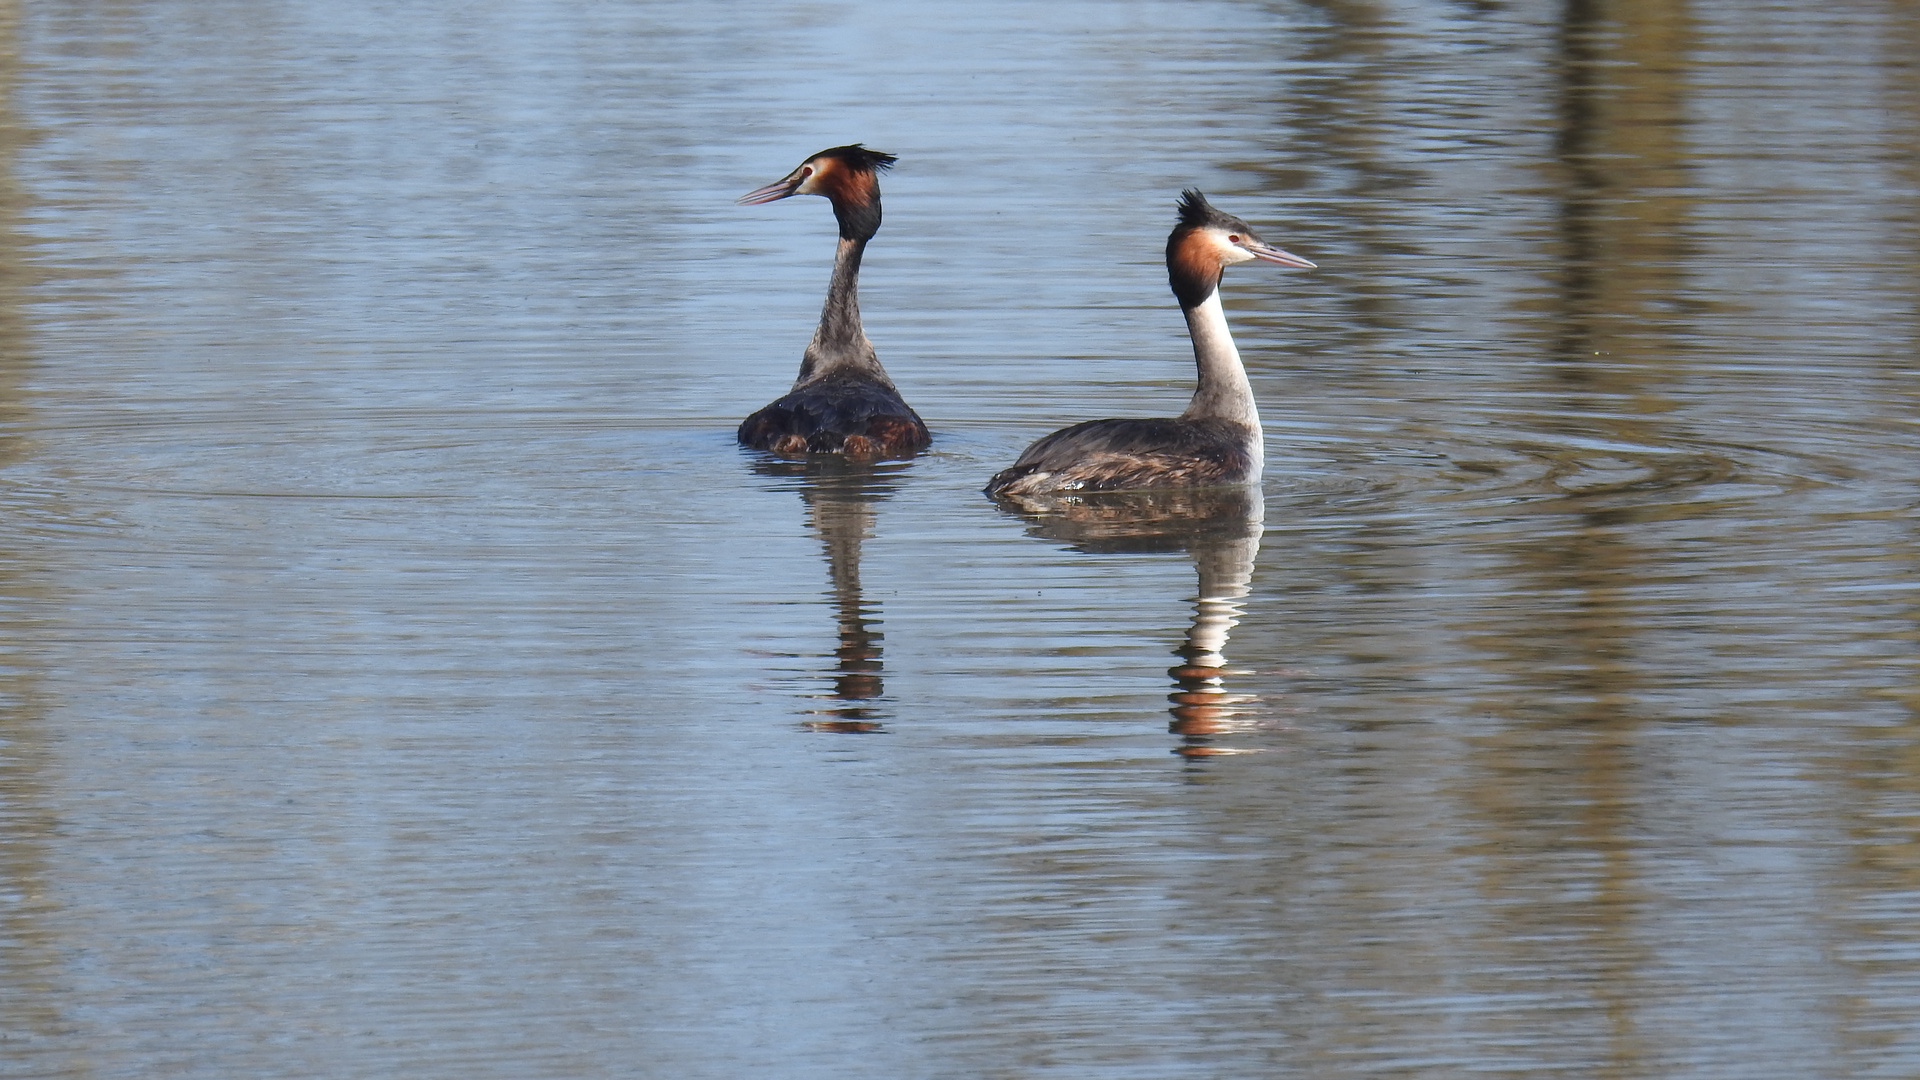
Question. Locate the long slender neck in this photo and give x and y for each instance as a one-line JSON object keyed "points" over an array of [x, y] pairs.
{"points": [[840, 345], [1224, 392]]}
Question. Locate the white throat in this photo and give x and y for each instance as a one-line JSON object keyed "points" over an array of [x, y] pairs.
{"points": [[1224, 392]]}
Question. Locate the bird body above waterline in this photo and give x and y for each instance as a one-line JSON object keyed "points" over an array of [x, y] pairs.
{"points": [[843, 402], [1217, 440]]}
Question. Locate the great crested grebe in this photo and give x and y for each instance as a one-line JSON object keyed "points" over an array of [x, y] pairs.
{"points": [[843, 402], [1217, 440]]}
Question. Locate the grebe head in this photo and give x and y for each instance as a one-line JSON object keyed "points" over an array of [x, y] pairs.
{"points": [[848, 176], [1206, 242]]}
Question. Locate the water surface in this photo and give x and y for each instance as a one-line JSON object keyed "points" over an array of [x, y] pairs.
{"points": [[403, 674]]}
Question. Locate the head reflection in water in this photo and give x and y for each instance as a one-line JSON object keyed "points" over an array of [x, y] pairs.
{"points": [[840, 497], [1219, 528]]}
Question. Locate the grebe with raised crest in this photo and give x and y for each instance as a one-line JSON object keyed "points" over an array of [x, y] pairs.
{"points": [[1217, 441], [843, 402]]}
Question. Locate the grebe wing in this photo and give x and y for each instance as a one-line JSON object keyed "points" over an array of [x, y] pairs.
{"points": [[1114, 455], [1070, 444]]}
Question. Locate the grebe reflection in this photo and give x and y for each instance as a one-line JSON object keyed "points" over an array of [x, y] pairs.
{"points": [[1219, 529], [839, 496]]}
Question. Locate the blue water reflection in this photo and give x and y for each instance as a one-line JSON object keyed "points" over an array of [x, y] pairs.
{"points": [[402, 672]]}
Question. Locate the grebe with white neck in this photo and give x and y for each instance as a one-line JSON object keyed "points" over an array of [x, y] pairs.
{"points": [[1217, 441], [843, 402]]}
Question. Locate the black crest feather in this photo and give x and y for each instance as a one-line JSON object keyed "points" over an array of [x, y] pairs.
{"points": [[1195, 211], [859, 157]]}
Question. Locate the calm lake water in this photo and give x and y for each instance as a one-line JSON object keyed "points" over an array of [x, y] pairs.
{"points": [[402, 674]]}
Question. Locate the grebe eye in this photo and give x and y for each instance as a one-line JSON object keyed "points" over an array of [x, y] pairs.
{"points": [[806, 171], [1232, 239]]}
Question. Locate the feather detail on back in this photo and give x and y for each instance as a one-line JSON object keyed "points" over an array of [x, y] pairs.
{"points": [[1118, 455], [837, 415]]}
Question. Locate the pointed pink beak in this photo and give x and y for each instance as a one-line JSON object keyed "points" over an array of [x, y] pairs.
{"points": [[1270, 253], [773, 192]]}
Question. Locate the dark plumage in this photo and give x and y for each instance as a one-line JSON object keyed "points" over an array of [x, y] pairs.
{"points": [[843, 402], [1117, 455], [1195, 211], [837, 415]]}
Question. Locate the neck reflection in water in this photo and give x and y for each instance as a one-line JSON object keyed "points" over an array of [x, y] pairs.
{"points": [[1219, 529], [840, 496]]}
